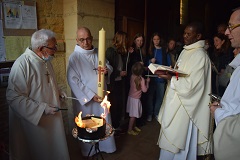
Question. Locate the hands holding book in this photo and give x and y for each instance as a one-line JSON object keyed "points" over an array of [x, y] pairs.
{"points": [[165, 71], [164, 74]]}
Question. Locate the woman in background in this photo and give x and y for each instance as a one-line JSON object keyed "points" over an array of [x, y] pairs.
{"points": [[171, 50], [222, 56], [117, 57], [157, 55]]}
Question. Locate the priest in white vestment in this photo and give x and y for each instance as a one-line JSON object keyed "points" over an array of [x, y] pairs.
{"points": [[82, 78], [184, 115], [36, 130], [227, 112]]}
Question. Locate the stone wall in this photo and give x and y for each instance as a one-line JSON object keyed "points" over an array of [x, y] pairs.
{"points": [[50, 16]]}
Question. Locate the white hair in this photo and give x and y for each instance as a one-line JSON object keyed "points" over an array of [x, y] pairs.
{"points": [[40, 38]]}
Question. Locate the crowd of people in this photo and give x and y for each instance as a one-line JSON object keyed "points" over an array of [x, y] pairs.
{"points": [[179, 103]]}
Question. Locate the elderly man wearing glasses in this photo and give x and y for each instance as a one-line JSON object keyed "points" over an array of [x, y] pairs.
{"points": [[82, 78], [227, 111]]}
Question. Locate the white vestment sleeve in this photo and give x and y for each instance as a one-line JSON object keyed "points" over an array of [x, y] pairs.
{"points": [[230, 100], [81, 91]]}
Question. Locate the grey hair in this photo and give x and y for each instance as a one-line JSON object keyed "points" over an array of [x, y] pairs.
{"points": [[40, 38]]}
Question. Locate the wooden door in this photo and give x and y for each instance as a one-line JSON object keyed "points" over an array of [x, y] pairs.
{"points": [[132, 26]]}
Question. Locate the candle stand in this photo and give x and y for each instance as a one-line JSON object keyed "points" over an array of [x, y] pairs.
{"points": [[95, 142]]}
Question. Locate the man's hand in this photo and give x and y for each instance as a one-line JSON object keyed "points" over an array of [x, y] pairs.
{"points": [[213, 106], [63, 94], [164, 74], [50, 109], [96, 98]]}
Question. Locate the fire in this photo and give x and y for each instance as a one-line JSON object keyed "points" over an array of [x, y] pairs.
{"points": [[78, 120], [105, 104]]}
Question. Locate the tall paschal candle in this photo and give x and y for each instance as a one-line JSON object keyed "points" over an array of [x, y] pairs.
{"points": [[101, 62]]}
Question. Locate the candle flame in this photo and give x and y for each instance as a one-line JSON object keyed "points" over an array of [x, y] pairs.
{"points": [[105, 104]]}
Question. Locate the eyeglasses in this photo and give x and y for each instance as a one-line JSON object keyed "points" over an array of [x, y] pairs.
{"points": [[232, 27], [88, 39], [51, 48]]}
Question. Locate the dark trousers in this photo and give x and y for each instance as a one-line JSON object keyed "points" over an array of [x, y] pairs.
{"points": [[118, 102]]}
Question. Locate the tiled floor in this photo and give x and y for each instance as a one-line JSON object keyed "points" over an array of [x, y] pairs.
{"points": [[140, 147]]}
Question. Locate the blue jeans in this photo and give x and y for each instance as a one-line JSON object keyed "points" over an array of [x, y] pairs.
{"points": [[155, 97]]}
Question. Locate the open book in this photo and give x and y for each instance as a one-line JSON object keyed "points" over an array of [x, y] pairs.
{"points": [[154, 68]]}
